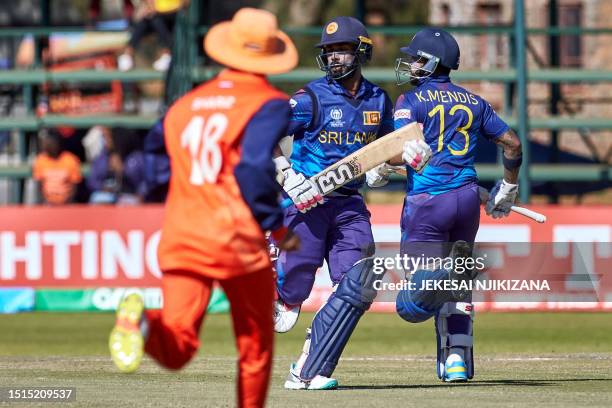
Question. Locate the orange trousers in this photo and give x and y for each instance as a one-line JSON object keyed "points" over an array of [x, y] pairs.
{"points": [[173, 331]]}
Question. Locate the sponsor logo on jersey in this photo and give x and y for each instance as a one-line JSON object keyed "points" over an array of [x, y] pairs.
{"points": [[402, 114], [292, 103], [371, 117]]}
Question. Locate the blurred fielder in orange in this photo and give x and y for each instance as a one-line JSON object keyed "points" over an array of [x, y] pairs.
{"points": [[222, 197]]}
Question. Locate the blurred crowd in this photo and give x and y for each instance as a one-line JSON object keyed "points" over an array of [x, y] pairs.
{"points": [[112, 159], [116, 171]]}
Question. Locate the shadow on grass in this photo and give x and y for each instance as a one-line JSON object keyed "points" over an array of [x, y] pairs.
{"points": [[474, 383]]}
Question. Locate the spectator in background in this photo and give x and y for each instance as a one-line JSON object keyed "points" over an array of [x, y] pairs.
{"points": [[157, 16], [156, 164], [57, 171], [378, 17], [117, 173], [95, 10]]}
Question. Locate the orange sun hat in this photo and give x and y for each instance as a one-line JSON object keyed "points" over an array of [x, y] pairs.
{"points": [[251, 42]]}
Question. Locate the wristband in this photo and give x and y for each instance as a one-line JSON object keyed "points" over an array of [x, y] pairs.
{"points": [[279, 233], [512, 164], [507, 188], [281, 163]]}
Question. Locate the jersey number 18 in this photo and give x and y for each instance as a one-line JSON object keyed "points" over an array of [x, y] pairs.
{"points": [[201, 137]]}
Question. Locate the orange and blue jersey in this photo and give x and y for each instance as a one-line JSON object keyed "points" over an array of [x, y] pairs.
{"points": [[328, 124], [453, 120], [222, 194]]}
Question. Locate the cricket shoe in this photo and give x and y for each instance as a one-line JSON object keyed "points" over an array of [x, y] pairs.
{"points": [[126, 341], [455, 369], [294, 382], [461, 250], [125, 62], [162, 64], [285, 316]]}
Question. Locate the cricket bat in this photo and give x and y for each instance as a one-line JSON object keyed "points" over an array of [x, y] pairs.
{"points": [[358, 163], [484, 196], [536, 216]]}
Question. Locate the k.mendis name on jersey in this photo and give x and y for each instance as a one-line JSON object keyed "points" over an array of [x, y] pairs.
{"points": [[346, 138], [445, 97]]}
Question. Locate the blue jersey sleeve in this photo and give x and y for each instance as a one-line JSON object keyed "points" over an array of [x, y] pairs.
{"points": [[492, 125], [386, 124], [404, 112], [256, 173], [301, 112]]}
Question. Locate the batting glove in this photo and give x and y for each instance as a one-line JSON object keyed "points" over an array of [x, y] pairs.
{"points": [[416, 154], [501, 198], [302, 191], [379, 175]]}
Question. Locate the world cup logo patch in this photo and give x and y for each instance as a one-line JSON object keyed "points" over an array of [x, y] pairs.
{"points": [[336, 114]]}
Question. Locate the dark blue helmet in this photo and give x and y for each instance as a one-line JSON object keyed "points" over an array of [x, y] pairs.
{"points": [[344, 30], [428, 48]]}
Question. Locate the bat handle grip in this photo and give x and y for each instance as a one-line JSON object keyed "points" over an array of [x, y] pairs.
{"points": [[286, 203], [537, 217]]}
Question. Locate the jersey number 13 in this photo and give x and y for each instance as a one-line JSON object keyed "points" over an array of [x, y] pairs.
{"points": [[462, 129]]}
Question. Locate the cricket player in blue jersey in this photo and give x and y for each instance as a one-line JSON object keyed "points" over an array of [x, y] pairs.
{"points": [[332, 117], [442, 203]]}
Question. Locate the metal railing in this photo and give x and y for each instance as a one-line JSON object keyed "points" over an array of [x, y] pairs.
{"points": [[518, 76]]}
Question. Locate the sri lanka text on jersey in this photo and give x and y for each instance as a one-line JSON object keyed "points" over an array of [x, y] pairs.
{"points": [[347, 138]]}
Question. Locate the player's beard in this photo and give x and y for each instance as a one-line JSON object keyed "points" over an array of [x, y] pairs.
{"points": [[339, 70], [344, 69], [345, 74], [417, 76]]}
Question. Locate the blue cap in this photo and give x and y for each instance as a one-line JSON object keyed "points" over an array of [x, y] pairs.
{"points": [[343, 30], [436, 42]]}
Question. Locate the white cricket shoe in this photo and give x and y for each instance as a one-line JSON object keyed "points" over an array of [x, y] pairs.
{"points": [[163, 63], [125, 62], [294, 382], [455, 369], [285, 316]]}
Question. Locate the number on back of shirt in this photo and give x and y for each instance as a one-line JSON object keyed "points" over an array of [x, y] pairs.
{"points": [[201, 138], [462, 129]]}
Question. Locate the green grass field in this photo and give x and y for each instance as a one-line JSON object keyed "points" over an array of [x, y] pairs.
{"points": [[531, 359]]}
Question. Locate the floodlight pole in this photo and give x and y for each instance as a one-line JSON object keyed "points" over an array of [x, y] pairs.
{"points": [[521, 109], [555, 88]]}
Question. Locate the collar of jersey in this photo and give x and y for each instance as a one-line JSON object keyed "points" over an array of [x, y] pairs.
{"points": [[338, 89], [437, 79], [241, 76]]}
